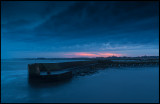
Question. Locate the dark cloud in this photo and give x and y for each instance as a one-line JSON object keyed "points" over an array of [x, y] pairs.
{"points": [[88, 19]]}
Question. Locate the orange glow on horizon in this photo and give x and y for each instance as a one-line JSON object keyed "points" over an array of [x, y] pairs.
{"points": [[92, 54]]}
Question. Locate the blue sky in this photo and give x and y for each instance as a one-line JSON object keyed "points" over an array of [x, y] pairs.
{"points": [[79, 29]]}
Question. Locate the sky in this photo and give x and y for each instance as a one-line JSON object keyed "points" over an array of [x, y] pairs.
{"points": [[68, 29]]}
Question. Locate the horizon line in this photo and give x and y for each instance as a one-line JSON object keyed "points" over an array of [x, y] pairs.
{"points": [[79, 57]]}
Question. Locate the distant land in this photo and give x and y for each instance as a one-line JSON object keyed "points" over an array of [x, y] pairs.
{"points": [[86, 58]]}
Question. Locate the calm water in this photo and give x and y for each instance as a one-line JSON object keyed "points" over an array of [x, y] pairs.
{"points": [[106, 86]]}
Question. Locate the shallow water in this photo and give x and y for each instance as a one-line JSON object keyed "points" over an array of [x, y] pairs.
{"points": [[112, 85]]}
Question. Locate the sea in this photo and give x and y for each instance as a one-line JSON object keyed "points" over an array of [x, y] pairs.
{"points": [[110, 85]]}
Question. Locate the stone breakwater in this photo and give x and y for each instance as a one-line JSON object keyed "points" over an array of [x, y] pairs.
{"points": [[66, 70]]}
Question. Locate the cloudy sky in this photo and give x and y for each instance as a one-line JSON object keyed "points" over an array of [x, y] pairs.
{"points": [[79, 29]]}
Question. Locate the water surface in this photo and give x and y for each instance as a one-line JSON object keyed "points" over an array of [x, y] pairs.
{"points": [[112, 85]]}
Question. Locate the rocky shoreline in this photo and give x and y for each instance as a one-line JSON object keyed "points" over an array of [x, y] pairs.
{"points": [[80, 68]]}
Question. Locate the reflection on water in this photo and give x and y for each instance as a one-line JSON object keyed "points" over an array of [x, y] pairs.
{"points": [[42, 84], [106, 86]]}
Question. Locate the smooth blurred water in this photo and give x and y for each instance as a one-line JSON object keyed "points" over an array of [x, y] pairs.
{"points": [[112, 85]]}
